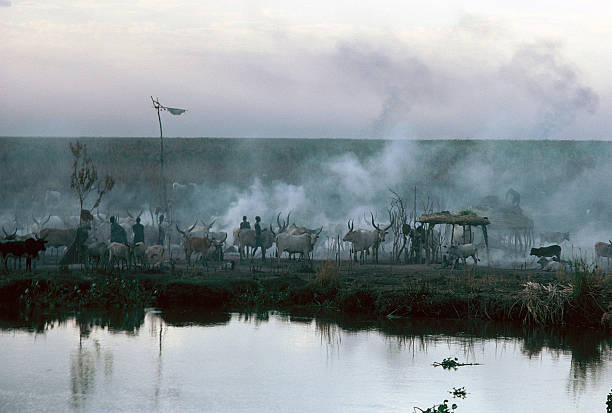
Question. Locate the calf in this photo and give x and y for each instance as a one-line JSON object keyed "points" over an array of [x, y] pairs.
{"points": [[154, 255], [463, 251], [97, 251], [139, 253], [118, 252], [550, 251]]}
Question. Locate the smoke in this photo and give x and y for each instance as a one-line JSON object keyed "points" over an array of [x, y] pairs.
{"points": [[564, 185], [553, 84]]}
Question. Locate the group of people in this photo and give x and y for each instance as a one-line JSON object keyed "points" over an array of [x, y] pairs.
{"points": [[118, 233], [258, 238]]}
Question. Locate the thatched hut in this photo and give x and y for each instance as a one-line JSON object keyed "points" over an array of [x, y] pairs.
{"points": [[509, 227], [466, 218]]}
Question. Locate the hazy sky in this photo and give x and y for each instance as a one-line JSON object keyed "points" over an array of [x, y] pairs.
{"points": [[392, 69]]}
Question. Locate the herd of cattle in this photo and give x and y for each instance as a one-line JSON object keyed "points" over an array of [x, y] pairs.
{"points": [[198, 244]]}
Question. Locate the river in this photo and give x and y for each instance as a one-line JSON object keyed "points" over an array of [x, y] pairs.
{"points": [[150, 360]]}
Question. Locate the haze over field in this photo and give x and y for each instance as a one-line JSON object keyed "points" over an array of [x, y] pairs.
{"points": [[390, 69], [564, 185]]}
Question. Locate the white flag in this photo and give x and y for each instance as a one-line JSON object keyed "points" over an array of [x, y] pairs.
{"points": [[175, 111]]}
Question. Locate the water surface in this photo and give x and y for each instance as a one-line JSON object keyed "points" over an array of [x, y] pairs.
{"points": [[194, 361]]}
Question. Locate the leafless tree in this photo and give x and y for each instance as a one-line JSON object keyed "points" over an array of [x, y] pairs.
{"points": [[400, 218], [84, 178]]}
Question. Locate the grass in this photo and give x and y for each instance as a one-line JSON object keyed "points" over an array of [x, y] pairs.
{"points": [[565, 299]]}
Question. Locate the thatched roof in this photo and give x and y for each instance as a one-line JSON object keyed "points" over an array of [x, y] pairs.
{"points": [[505, 218], [463, 218]]}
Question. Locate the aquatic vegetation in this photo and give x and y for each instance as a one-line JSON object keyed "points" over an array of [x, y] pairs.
{"points": [[452, 363], [444, 407]]}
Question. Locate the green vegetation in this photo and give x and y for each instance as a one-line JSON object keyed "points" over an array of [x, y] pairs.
{"points": [[373, 292], [452, 363], [444, 407]]}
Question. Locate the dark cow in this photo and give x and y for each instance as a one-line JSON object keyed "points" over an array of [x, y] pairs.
{"points": [[550, 251], [28, 248]]}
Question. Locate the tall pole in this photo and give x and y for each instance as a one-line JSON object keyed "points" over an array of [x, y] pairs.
{"points": [[163, 193]]}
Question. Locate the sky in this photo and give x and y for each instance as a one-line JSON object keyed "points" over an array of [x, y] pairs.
{"points": [[287, 69]]}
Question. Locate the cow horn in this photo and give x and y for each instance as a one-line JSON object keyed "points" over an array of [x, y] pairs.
{"points": [[373, 224], [222, 240], [271, 230], [35, 221], [320, 229], [47, 220], [278, 220], [5, 234], [213, 222], [390, 225], [193, 226], [179, 230], [348, 224]]}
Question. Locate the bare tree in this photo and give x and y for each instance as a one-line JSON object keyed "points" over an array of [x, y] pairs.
{"points": [[84, 178], [399, 215]]}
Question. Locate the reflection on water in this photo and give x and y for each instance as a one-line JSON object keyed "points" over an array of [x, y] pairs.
{"points": [[189, 359]]}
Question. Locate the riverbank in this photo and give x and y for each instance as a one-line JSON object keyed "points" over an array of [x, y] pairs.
{"points": [[529, 297]]}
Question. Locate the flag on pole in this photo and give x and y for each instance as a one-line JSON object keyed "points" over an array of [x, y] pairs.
{"points": [[175, 111]]}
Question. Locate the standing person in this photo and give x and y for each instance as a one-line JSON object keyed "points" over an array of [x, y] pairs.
{"points": [[138, 230], [245, 224], [118, 234], [259, 240]]}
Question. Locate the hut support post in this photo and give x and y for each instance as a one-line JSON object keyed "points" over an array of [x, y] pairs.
{"points": [[486, 240]]}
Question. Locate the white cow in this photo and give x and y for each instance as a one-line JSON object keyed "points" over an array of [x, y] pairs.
{"points": [[463, 252], [363, 239], [303, 243]]}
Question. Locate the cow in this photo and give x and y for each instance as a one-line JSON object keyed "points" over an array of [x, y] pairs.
{"points": [[154, 255], [547, 237], [302, 243], [363, 239], [28, 248], [97, 251], [552, 265], [550, 251], [193, 244], [246, 239], [117, 253], [138, 253], [38, 225], [58, 237], [603, 249], [295, 230], [456, 252]]}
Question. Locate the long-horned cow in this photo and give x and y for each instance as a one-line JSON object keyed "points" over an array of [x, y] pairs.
{"points": [[364, 239], [295, 243], [57, 238], [194, 244]]}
